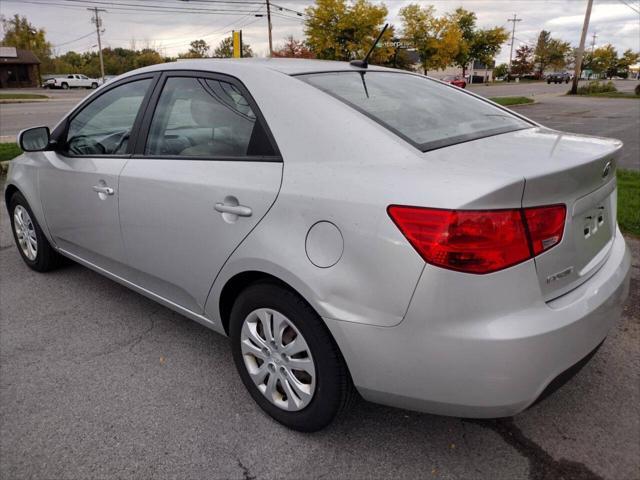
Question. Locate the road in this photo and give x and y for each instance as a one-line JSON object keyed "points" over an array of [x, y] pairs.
{"points": [[534, 89], [17, 116], [97, 381]]}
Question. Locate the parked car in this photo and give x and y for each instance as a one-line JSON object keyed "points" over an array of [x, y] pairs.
{"points": [[423, 246], [559, 77], [72, 81], [456, 80]]}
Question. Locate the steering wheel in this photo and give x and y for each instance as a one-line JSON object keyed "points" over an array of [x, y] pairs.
{"points": [[85, 145], [124, 138]]}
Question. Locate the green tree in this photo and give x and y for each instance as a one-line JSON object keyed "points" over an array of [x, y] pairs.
{"points": [[336, 30], [437, 40], [198, 49], [476, 44], [146, 57], [605, 61], [628, 58], [501, 70], [225, 49], [550, 53], [19, 33], [523, 61]]}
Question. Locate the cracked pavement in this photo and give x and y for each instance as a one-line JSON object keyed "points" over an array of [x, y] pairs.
{"points": [[97, 381]]}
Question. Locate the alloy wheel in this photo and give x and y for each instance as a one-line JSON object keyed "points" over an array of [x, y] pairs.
{"points": [[25, 232], [278, 359]]}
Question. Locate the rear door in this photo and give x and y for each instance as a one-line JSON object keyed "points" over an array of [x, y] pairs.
{"points": [[205, 175], [79, 185]]}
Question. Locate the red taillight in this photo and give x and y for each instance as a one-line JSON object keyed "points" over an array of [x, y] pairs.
{"points": [[546, 225], [474, 241]]}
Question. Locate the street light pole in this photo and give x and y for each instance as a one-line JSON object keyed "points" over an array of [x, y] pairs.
{"points": [[513, 35], [98, 21], [580, 53]]}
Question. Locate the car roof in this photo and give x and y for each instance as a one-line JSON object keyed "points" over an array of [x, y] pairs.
{"points": [[288, 66]]}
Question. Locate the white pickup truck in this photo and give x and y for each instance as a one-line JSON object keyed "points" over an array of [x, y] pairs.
{"points": [[71, 81]]}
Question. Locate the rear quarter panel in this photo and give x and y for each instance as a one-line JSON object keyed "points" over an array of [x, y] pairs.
{"points": [[342, 167]]}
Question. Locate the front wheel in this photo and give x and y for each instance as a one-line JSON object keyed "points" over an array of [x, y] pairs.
{"points": [[287, 358], [94, 85], [33, 245]]}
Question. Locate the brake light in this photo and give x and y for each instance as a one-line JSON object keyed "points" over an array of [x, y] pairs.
{"points": [[478, 241], [545, 225]]}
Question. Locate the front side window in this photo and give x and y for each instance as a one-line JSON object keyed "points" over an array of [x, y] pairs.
{"points": [[103, 127], [205, 118], [424, 112]]}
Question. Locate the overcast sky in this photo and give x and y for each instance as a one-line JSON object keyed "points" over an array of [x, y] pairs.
{"points": [[65, 21]]}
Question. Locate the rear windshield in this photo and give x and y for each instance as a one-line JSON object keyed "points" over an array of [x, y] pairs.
{"points": [[424, 112]]}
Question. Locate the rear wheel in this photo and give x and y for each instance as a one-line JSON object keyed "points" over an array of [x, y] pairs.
{"points": [[32, 244], [65, 86], [287, 359]]}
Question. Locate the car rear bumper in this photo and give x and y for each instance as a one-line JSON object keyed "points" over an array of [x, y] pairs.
{"points": [[483, 346]]}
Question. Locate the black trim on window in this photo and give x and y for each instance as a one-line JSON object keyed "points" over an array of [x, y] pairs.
{"points": [[143, 134], [59, 135]]}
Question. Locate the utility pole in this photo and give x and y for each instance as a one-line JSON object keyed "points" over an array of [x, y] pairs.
{"points": [[593, 43], [513, 35], [580, 52], [269, 25], [98, 21]]}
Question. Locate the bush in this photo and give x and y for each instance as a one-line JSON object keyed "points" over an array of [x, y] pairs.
{"points": [[638, 89], [597, 87]]}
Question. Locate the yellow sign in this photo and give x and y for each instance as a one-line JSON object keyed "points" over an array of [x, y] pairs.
{"points": [[237, 44]]}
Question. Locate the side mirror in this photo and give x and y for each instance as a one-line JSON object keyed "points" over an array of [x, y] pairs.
{"points": [[34, 139]]}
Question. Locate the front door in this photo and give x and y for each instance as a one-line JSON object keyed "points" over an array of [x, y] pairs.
{"points": [[205, 177], [79, 186]]}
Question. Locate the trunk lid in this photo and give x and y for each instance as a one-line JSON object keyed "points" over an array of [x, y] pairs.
{"points": [[558, 168]]}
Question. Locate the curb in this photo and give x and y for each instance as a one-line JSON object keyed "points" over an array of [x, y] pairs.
{"points": [[23, 100]]}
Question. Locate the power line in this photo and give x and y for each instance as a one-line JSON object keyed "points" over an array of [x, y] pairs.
{"points": [[155, 6], [72, 41], [281, 8], [632, 7], [81, 4]]}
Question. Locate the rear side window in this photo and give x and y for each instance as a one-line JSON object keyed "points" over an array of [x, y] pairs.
{"points": [[205, 118], [424, 112]]}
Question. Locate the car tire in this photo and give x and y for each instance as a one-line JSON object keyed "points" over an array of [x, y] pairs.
{"points": [[548, 82], [43, 257], [330, 386], [94, 85], [65, 86]]}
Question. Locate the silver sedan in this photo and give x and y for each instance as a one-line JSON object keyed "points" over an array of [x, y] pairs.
{"points": [[352, 229]]}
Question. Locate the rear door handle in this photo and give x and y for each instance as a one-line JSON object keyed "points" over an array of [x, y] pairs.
{"points": [[239, 210], [103, 189]]}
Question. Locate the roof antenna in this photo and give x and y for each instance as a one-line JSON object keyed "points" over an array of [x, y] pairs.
{"points": [[365, 63]]}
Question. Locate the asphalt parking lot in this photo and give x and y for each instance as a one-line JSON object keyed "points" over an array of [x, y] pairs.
{"points": [[605, 117], [96, 381]]}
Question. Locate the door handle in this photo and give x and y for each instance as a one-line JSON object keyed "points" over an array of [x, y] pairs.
{"points": [[239, 210], [103, 189]]}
